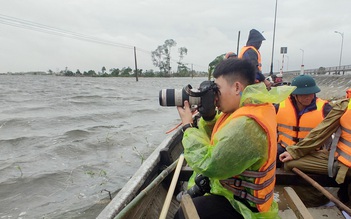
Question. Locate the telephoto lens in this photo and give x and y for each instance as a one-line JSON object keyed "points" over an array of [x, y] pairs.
{"points": [[176, 97]]}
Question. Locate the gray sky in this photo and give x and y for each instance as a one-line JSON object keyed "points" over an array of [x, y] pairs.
{"points": [[206, 28]]}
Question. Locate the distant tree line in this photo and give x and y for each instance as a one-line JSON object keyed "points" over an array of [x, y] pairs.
{"points": [[129, 72]]}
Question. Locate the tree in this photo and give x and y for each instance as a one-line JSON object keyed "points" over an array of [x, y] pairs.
{"points": [[157, 58], [69, 73], [78, 72], [182, 51], [103, 70], [125, 72], [140, 72], [90, 73], [161, 57], [149, 73], [213, 65], [183, 70], [114, 72]]}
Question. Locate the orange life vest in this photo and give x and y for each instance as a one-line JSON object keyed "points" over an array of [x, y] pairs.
{"points": [[291, 129], [245, 48], [343, 150], [259, 189]]}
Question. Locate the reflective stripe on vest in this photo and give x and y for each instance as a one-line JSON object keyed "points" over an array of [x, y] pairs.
{"points": [[260, 191], [343, 151], [245, 48], [290, 129], [236, 182], [245, 195]]}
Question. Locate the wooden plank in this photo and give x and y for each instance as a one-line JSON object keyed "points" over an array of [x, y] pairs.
{"points": [[326, 212], [287, 214], [188, 207], [289, 178], [317, 212], [171, 188], [296, 204]]}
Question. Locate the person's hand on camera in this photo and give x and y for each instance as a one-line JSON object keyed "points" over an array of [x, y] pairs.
{"points": [[207, 108], [185, 113]]}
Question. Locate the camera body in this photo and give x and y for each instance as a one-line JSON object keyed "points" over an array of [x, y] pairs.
{"points": [[176, 97], [202, 186]]}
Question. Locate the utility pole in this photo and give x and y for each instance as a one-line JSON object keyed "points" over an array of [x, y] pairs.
{"points": [[237, 45], [136, 66], [275, 22]]}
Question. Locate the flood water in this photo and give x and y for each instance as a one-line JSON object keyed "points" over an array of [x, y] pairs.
{"points": [[67, 142]]}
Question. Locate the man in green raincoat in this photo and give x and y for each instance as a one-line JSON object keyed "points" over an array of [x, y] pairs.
{"points": [[236, 148]]}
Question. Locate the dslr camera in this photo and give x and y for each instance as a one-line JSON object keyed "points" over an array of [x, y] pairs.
{"points": [[201, 187], [176, 97]]}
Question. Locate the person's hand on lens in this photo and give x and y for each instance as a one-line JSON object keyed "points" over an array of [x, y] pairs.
{"points": [[185, 113]]}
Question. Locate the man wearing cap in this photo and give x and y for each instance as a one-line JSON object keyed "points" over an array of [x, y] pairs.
{"points": [[331, 162], [250, 52], [299, 113]]}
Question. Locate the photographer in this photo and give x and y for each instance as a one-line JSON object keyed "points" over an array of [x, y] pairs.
{"points": [[236, 147]]}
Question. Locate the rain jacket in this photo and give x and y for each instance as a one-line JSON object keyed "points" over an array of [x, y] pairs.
{"points": [[242, 144]]}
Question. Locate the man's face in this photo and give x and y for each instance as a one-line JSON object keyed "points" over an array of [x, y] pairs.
{"points": [[228, 97], [304, 99]]}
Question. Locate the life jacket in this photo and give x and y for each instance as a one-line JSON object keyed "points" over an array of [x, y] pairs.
{"points": [[245, 48], [343, 150], [291, 129], [255, 186]]}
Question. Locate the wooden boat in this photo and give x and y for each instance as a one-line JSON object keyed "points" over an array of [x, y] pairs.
{"points": [[144, 194]]}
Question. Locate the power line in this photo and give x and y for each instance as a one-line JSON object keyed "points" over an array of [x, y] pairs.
{"points": [[15, 22], [29, 25]]}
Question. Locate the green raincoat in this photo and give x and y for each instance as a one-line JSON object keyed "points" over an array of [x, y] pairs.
{"points": [[241, 145]]}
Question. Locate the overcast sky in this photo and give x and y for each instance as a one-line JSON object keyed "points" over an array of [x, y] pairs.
{"points": [[206, 28]]}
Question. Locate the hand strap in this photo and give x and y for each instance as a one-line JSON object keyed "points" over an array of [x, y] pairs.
{"points": [[185, 127]]}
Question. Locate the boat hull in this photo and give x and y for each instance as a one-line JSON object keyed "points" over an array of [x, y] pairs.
{"points": [[144, 194]]}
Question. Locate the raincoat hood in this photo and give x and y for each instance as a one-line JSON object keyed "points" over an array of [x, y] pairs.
{"points": [[258, 94], [255, 39]]}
